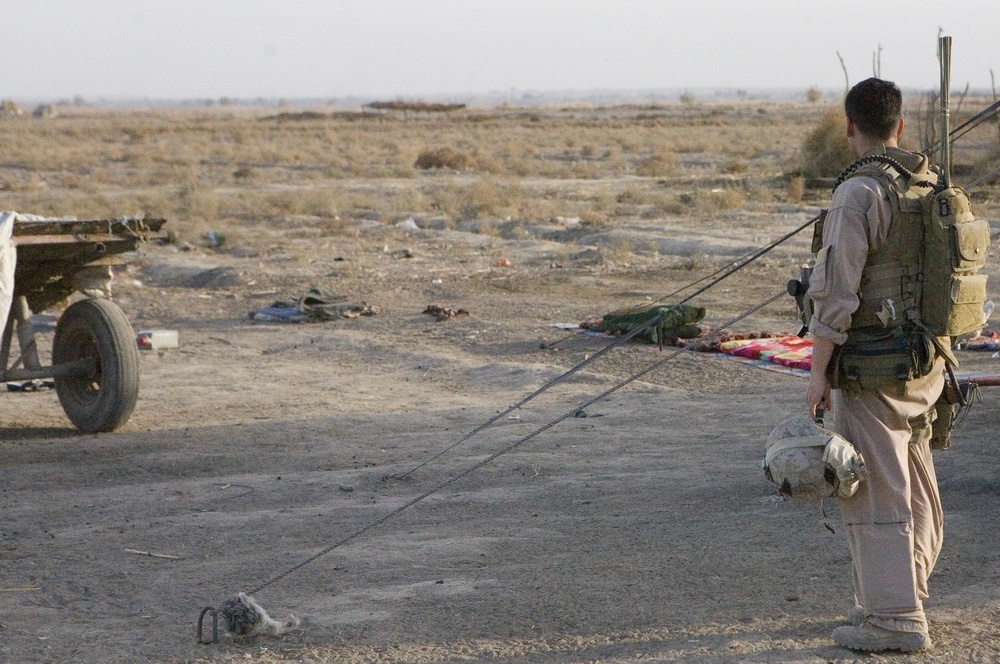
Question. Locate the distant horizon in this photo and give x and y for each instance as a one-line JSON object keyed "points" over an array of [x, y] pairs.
{"points": [[515, 97]]}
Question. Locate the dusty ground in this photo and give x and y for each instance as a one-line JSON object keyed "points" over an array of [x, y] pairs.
{"points": [[643, 532]]}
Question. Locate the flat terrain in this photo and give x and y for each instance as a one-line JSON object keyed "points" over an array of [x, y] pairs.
{"points": [[644, 531]]}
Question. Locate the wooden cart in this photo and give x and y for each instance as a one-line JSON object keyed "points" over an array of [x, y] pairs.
{"points": [[95, 357]]}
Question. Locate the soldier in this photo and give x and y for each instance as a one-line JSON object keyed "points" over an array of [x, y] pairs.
{"points": [[894, 521]]}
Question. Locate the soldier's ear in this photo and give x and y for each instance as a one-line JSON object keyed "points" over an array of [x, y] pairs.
{"points": [[899, 129], [851, 128]]}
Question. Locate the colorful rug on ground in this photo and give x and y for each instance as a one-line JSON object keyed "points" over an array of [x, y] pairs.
{"points": [[765, 350], [793, 352], [786, 354]]}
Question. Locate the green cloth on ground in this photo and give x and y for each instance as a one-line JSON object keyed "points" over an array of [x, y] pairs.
{"points": [[678, 321]]}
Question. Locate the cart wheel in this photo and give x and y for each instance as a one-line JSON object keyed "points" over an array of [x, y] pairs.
{"points": [[102, 400]]}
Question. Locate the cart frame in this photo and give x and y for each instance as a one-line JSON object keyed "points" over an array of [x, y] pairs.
{"points": [[95, 362]]}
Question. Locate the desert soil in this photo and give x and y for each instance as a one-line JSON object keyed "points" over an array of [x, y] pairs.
{"points": [[644, 531]]}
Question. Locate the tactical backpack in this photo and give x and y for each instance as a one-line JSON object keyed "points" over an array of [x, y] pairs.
{"points": [[923, 287]]}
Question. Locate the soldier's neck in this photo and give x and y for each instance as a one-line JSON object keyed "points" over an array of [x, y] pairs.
{"points": [[863, 145]]}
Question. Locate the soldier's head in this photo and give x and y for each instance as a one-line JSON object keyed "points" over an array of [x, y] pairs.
{"points": [[875, 108]]}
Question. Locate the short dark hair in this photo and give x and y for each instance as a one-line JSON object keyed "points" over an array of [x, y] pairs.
{"points": [[875, 107]]}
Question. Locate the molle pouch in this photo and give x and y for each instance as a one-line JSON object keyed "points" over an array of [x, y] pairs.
{"points": [[956, 245], [945, 408], [965, 309], [876, 363]]}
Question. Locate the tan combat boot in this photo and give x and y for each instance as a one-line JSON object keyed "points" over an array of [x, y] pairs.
{"points": [[872, 638]]}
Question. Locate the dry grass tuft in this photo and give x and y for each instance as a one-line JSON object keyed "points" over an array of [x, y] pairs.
{"points": [[796, 189], [659, 165], [443, 158], [824, 151]]}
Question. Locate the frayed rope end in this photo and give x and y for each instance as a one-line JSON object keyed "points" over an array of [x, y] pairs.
{"points": [[243, 616]]}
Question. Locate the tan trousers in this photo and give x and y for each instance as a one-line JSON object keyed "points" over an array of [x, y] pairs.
{"points": [[894, 522]]}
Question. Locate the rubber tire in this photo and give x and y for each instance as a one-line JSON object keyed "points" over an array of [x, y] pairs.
{"points": [[104, 400]]}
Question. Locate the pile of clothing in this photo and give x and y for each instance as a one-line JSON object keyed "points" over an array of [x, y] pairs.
{"points": [[317, 304], [677, 322]]}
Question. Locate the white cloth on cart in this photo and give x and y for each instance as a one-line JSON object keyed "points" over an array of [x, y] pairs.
{"points": [[8, 260]]}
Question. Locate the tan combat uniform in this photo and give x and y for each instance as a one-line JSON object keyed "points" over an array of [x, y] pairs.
{"points": [[894, 522]]}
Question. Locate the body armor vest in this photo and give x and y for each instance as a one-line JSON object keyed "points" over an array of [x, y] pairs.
{"points": [[922, 286], [891, 282]]}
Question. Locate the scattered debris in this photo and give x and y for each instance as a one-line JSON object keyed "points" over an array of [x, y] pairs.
{"points": [[278, 312], [317, 304], [165, 556], [503, 262], [988, 339], [444, 313], [157, 339], [32, 385]]}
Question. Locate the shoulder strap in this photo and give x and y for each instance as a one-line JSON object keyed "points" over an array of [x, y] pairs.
{"points": [[877, 164]]}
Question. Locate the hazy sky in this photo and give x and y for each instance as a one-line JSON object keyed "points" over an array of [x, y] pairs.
{"points": [[392, 48]]}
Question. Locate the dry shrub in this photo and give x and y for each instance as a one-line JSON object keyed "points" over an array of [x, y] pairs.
{"points": [[442, 158], [723, 199], [486, 198], [675, 207], [487, 163], [825, 152], [620, 251], [632, 196], [710, 201], [520, 167], [534, 208], [196, 200], [796, 189], [583, 170], [479, 200], [662, 164], [735, 165], [593, 217]]}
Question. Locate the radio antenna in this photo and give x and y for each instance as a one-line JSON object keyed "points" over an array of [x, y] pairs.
{"points": [[944, 54]]}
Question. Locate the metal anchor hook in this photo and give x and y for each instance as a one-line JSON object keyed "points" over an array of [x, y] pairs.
{"points": [[215, 625]]}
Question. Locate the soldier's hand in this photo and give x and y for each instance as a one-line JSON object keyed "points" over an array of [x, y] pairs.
{"points": [[818, 393]]}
